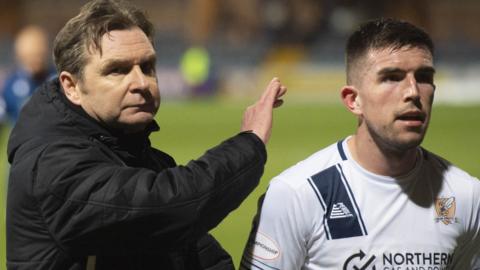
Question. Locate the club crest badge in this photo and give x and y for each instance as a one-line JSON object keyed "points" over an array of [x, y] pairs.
{"points": [[445, 208]]}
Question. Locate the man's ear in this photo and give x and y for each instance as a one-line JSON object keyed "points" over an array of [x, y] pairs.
{"points": [[351, 99], [70, 87]]}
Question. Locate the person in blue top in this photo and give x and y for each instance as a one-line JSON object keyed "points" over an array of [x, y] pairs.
{"points": [[33, 68]]}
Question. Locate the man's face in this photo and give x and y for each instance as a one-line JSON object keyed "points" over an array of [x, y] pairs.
{"points": [[31, 48], [119, 88], [395, 94]]}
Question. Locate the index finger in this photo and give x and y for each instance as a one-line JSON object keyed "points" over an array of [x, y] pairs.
{"points": [[270, 94]]}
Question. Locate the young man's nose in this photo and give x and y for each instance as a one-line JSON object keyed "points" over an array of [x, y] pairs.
{"points": [[412, 91]]}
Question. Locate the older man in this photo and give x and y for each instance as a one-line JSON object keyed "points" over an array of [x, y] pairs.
{"points": [[86, 188]]}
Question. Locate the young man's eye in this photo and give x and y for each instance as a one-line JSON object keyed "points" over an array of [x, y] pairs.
{"points": [[392, 78], [424, 78]]}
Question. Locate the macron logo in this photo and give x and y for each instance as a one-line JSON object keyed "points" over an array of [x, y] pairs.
{"points": [[339, 210]]}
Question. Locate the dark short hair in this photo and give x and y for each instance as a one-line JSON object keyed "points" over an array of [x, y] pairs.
{"points": [[84, 32], [384, 33]]}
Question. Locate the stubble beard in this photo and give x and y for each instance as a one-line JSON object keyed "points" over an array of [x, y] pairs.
{"points": [[389, 141]]}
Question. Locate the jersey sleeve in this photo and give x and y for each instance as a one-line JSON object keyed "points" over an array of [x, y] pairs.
{"points": [[278, 236], [468, 250], [476, 227]]}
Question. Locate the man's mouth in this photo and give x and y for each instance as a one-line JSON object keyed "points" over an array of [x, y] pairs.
{"points": [[144, 106], [412, 118]]}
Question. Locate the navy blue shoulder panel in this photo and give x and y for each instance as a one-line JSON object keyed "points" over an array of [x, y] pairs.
{"points": [[341, 219]]}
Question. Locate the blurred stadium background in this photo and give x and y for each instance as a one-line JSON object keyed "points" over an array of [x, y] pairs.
{"points": [[215, 56]]}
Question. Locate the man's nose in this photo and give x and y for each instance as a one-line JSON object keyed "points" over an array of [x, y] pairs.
{"points": [[138, 80], [412, 92]]}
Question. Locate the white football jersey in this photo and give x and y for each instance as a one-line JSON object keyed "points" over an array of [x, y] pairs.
{"points": [[327, 212]]}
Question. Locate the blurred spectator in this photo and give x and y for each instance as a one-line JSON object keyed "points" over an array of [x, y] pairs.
{"points": [[32, 56], [198, 72]]}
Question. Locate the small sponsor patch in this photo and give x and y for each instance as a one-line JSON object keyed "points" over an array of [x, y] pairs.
{"points": [[445, 208], [263, 247]]}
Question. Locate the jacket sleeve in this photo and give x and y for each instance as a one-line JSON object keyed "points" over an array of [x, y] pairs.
{"points": [[91, 204]]}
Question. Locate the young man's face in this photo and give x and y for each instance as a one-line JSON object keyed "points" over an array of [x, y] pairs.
{"points": [[119, 88], [395, 93]]}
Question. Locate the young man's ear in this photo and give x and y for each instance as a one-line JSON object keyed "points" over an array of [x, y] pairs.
{"points": [[351, 99], [70, 87]]}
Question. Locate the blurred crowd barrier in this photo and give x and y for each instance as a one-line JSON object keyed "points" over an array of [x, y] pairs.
{"points": [[231, 48]]}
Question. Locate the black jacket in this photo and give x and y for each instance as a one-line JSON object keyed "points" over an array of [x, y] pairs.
{"points": [[77, 189]]}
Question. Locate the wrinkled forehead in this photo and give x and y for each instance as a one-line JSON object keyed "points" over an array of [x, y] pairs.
{"points": [[125, 43]]}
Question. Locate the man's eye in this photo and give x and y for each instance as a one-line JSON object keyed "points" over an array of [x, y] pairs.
{"points": [[148, 68], [118, 70], [424, 78], [392, 78]]}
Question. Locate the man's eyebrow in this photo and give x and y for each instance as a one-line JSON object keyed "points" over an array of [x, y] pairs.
{"points": [[389, 70], [115, 63], [125, 62], [150, 58], [426, 70]]}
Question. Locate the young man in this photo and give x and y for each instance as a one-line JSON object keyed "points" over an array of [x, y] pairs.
{"points": [[86, 189], [375, 200]]}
